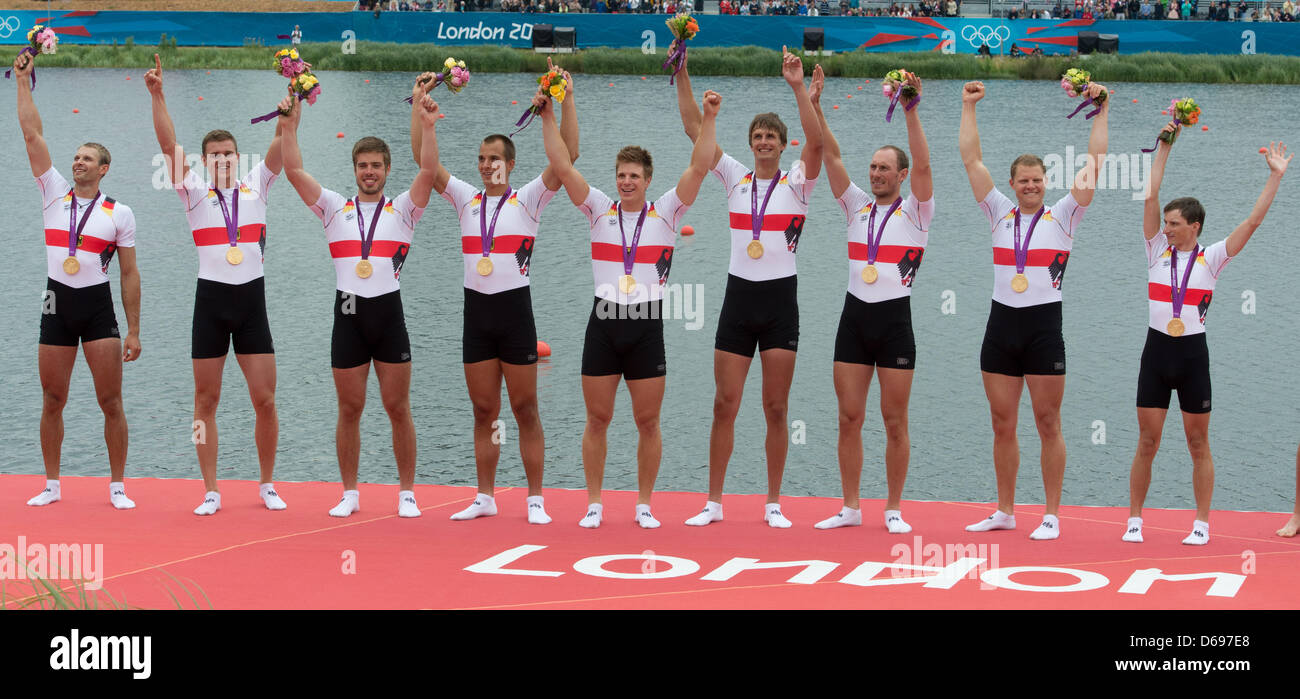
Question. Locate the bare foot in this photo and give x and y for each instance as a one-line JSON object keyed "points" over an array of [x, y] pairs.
{"points": [[1291, 527]]}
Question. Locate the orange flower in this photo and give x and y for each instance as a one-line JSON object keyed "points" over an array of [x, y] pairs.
{"points": [[546, 80]]}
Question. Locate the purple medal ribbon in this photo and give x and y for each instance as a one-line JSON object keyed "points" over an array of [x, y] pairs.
{"points": [[32, 51], [755, 213], [629, 251], [266, 117], [1086, 101], [1022, 254], [1176, 294], [675, 59], [893, 102], [524, 120], [873, 244], [74, 230], [232, 223], [367, 239], [485, 233]]}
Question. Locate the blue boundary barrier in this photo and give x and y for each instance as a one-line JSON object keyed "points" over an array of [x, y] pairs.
{"points": [[959, 35]]}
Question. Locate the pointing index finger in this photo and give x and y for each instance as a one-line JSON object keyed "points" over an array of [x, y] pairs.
{"points": [[157, 63]]}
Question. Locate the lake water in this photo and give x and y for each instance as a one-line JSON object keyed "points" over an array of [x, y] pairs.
{"points": [[1253, 318]]}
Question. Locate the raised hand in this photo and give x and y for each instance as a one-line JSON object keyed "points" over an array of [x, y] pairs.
{"points": [[568, 81], [541, 101], [290, 109], [972, 92], [423, 84], [1170, 130], [428, 111], [712, 102], [791, 67], [1095, 90], [915, 81], [153, 78], [817, 85], [23, 65], [1277, 158]]}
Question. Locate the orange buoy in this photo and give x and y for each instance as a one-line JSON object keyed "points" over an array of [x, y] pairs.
{"points": [[1135, 101], [688, 230], [611, 84], [1164, 111], [442, 116], [794, 141], [209, 72], [367, 79], [835, 107], [1205, 128], [128, 77], [76, 111], [340, 134], [200, 98], [1262, 149], [643, 77], [543, 349], [859, 87], [514, 101]]}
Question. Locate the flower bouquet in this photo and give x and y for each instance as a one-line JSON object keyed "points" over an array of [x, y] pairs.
{"points": [[1075, 83], [39, 39], [553, 84], [684, 27], [900, 84], [454, 75]]}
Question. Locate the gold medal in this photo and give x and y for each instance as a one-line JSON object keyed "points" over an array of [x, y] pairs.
{"points": [[1175, 327], [626, 284], [869, 274], [234, 255], [484, 266], [755, 249], [365, 269], [71, 265], [1019, 283]]}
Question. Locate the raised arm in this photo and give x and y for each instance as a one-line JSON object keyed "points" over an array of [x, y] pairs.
{"points": [[163, 127], [835, 170], [689, 185], [429, 165], [306, 185], [421, 88], [1277, 160], [568, 132], [274, 161], [29, 119], [792, 71], [130, 279], [921, 174], [968, 142], [557, 154], [1152, 216], [1085, 183], [692, 118]]}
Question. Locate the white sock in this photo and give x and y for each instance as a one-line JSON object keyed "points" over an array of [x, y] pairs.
{"points": [[846, 517], [592, 518], [645, 519], [47, 496], [1200, 534], [117, 496], [270, 497], [350, 503], [406, 505], [774, 518], [894, 522], [1134, 533], [211, 503], [711, 513], [483, 506], [537, 510], [997, 520], [1049, 529]]}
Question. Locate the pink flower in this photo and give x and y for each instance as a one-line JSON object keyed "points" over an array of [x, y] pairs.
{"points": [[888, 90], [311, 96], [1070, 91]]}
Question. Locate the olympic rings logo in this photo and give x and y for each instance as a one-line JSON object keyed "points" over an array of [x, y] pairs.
{"points": [[9, 25], [993, 36]]}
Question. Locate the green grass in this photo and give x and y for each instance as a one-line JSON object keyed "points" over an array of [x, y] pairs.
{"points": [[37, 592], [739, 61]]}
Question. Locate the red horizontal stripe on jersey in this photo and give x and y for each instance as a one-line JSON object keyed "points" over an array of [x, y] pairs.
{"points": [[473, 244], [1162, 292], [380, 248], [771, 222], [216, 235], [609, 252], [59, 239], [1036, 257], [886, 253]]}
